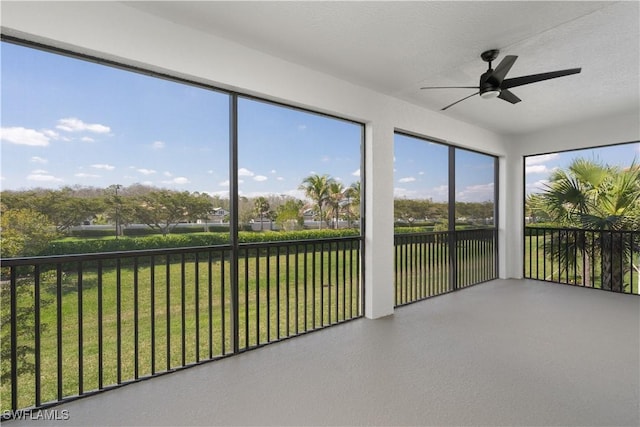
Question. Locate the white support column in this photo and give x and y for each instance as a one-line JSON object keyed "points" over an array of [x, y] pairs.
{"points": [[512, 212], [379, 250]]}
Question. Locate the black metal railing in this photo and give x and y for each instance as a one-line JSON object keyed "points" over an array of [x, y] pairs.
{"points": [[608, 260], [425, 265], [73, 325]]}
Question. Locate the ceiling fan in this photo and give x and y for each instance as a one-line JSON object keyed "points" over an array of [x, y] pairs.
{"points": [[493, 83]]}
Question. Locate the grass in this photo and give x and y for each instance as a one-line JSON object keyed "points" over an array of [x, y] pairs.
{"points": [[279, 296], [537, 267]]}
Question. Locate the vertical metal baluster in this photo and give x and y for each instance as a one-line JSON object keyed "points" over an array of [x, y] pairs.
{"points": [[278, 290], [337, 281], [296, 278], [306, 296], [168, 308], [13, 294], [329, 252], [631, 255], [136, 346], [100, 330], [257, 296], [344, 281], [544, 254], [222, 303], [118, 321], [37, 326], [210, 300], [321, 285], [183, 312], [59, 325], [268, 294], [152, 299], [197, 303], [287, 291], [80, 333], [313, 286], [246, 298], [396, 269]]}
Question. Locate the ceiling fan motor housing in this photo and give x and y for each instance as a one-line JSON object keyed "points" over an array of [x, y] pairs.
{"points": [[489, 86]]}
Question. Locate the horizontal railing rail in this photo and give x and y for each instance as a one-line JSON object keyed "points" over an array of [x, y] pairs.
{"points": [[602, 259], [425, 264], [73, 325]]}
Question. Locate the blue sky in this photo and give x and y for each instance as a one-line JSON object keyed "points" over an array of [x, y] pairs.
{"points": [[421, 172], [71, 122], [539, 168]]}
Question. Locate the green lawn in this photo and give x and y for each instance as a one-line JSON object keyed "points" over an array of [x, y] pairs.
{"points": [[278, 297], [537, 267]]}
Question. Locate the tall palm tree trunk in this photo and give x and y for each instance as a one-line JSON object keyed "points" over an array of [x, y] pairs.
{"points": [[612, 261]]}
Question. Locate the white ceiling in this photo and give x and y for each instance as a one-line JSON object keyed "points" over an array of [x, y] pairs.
{"points": [[397, 47]]}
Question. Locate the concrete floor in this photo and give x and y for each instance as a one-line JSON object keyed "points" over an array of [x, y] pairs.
{"points": [[506, 352]]}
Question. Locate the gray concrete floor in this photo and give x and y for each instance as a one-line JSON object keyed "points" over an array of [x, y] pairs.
{"points": [[506, 352]]}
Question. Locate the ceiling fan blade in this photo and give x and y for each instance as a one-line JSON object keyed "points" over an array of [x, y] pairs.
{"points": [[534, 78], [509, 96], [450, 87], [466, 97], [503, 68]]}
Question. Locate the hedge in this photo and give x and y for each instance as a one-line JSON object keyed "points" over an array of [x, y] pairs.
{"points": [[84, 246]]}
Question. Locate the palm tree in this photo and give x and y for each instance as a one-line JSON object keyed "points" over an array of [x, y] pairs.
{"points": [[591, 195], [336, 194], [316, 187], [261, 207], [352, 193]]}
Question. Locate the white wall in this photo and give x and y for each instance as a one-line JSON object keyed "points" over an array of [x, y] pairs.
{"points": [[118, 32]]}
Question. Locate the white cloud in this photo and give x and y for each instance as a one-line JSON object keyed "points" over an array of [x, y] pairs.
{"points": [[325, 159], [23, 136], [536, 169], [39, 171], [273, 171], [103, 166], [169, 174], [87, 139], [260, 178], [302, 127], [403, 192], [146, 171], [224, 183], [177, 180], [42, 177], [280, 178], [476, 193], [420, 173], [543, 158], [537, 186], [245, 172], [157, 145], [72, 124], [52, 134], [86, 175], [407, 179], [36, 159], [356, 172]]}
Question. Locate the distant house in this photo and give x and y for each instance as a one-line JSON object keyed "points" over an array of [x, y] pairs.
{"points": [[219, 215]]}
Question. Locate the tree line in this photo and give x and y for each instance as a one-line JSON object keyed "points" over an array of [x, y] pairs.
{"points": [[31, 218]]}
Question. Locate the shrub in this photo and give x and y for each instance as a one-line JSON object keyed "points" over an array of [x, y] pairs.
{"points": [[83, 246]]}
